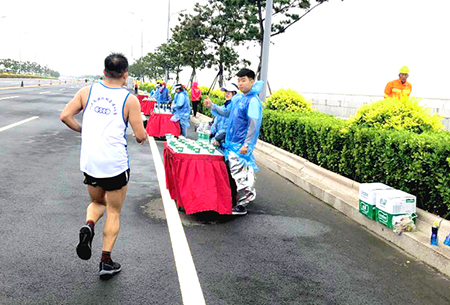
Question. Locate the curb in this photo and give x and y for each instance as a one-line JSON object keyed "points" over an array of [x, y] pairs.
{"points": [[343, 194]]}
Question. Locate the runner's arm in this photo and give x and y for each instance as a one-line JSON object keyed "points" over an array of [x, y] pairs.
{"points": [[135, 119], [72, 108]]}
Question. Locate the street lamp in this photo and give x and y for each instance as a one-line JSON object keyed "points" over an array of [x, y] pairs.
{"points": [[168, 30], [266, 44], [142, 33]]}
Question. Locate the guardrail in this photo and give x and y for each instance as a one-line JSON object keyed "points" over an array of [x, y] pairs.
{"points": [[346, 105]]}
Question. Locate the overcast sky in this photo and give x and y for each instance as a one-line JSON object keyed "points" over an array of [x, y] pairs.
{"points": [[354, 46]]}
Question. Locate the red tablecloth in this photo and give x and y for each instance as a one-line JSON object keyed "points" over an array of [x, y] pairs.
{"points": [[141, 97], [158, 125], [147, 106], [197, 182]]}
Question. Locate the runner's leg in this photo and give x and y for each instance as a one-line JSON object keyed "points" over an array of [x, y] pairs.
{"points": [[114, 204], [97, 207]]}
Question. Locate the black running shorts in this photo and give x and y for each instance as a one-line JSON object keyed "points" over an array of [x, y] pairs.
{"points": [[109, 184]]}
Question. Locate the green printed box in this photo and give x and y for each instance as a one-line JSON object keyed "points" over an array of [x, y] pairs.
{"points": [[367, 198], [386, 218], [392, 203]]}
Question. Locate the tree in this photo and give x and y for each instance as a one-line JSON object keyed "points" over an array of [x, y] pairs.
{"points": [[138, 69], [217, 25], [28, 67], [189, 39], [285, 13], [169, 58]]}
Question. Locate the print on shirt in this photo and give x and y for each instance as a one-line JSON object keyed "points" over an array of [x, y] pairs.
{"points": [[103, 105]]}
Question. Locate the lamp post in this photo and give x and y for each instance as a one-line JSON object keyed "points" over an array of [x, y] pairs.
{"points": [[168, 31], [266, 44], [142, 33]]}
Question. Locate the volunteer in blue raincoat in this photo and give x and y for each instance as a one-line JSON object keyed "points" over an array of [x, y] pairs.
{"points": [[154, 93], [245, 117], [181, 108], [162, 95], [220, 124]]}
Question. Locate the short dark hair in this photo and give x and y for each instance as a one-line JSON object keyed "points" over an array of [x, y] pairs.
{"points": [[116, 64], [246, 72]]}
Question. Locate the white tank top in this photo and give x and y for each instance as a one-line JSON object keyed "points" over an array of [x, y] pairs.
{"points": [[103, 142]]}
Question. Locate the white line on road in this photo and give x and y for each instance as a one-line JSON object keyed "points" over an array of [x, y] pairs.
{"points": [[191, 291], [8, 97], [44, 92], [18, 123]]}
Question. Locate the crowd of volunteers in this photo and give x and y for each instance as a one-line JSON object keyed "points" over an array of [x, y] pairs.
{"points": [[234, 130]]}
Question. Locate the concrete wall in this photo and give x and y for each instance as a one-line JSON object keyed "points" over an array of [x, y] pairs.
{"points": [[346, 105]]}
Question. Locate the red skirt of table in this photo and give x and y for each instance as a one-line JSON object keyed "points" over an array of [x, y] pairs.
{"points": [[198, 182], [147, 106], [159, 124], [141, 97]]}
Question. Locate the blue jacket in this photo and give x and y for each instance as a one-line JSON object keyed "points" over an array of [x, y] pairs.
{"points": [[220, 125], [162, 95], [244, 123], [182, 109]]}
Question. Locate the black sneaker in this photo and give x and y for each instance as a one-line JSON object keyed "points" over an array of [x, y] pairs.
{"points": [[84, 247], [107, 270], [239, 210]]}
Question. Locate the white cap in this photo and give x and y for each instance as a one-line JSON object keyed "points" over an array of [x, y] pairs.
{"points": [[230, 87]]}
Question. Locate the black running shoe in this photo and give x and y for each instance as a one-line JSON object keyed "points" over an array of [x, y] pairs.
{"points": [[84, 249], [107, 270], [239, 210]]}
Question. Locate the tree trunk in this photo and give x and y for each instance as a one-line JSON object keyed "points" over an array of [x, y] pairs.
{"points": [[191, 79], [221, 75]]}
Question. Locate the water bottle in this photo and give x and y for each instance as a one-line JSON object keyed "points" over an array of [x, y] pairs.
{"points": [[447, 240], [200, 131], [434, 234]]}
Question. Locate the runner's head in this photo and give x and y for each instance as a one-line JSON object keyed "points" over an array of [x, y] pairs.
{"points": [[116, 66]]}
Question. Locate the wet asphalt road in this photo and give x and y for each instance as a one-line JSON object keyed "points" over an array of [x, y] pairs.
{"points": [[290, 249]]}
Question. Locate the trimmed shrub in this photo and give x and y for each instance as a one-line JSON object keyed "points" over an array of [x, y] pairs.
{"points": [[393, 113], [415, 163], [288, 100], [146, 86]]}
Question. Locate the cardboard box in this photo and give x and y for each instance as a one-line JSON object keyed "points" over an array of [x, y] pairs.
{"points": [[367, 198], [390, 203]]}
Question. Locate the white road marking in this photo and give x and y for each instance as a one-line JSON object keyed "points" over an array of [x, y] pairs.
{"points": [[191, 291], [18, 123], [8, 97], [44, 92], [62, 89]]}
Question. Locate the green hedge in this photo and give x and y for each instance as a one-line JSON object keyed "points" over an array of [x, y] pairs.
{"points": [[12, 75], [415, 163]]}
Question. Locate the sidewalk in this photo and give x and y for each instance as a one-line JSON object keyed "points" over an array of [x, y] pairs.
{"points": [[343, 194]]}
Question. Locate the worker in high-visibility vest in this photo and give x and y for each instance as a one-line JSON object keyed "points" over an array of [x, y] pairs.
{"points": [[400, 87]]}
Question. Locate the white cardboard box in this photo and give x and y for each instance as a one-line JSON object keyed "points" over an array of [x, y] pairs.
{"points": [[396, 202]]}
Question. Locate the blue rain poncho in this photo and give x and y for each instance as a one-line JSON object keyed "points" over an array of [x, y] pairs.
{"points": [[220, 125], [181, 109], [153, 93], [162, 95], [244, 123]]}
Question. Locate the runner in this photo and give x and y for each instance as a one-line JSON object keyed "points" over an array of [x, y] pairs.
{"points": [[107, 109]]}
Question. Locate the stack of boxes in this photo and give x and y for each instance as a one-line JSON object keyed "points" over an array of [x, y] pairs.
{"points": [[384, 204]]}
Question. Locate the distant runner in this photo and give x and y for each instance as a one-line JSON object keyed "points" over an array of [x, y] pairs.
{"points": [[107, 109]]}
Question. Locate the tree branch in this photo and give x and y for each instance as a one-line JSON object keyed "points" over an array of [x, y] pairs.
{"points": [[285, 28]]}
